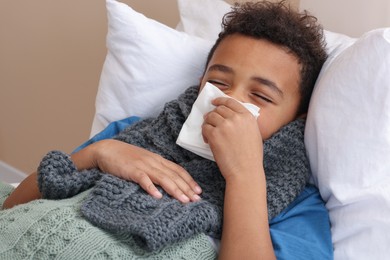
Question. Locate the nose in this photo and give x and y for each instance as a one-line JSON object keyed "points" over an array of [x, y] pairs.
{"points": [[235, 92]]}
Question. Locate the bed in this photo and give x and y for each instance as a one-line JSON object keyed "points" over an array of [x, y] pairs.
{"points": [[348, 126]]}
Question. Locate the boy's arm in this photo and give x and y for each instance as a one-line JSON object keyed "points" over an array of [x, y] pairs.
{"points": [[125, 161], [246, 232], [26, 191], [237, 145], [143, 167]]}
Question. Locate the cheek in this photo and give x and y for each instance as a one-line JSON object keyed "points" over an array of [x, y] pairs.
{"points": [[270, 123], [265, 126]]}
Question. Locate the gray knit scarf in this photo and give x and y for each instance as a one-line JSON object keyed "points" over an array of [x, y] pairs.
{"points": [[121, 206]]}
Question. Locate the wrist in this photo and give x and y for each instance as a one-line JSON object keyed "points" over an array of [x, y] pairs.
{"points": [[246, 180], [248, 184], [246, 174], [88, 157]]}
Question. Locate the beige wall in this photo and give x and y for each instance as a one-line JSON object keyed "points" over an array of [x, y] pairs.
{"points": [[51, 54], [50, 59], [350, 17]]}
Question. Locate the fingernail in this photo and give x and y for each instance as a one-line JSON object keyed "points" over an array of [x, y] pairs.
{"points": [[184, 198], [196, 197], [198, 189], [157, 194]]}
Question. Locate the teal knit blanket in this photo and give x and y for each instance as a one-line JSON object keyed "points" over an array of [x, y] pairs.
{"points": [[55, 229]]}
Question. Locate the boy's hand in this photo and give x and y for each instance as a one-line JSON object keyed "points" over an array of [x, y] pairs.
{"points": [[234, 138], [133, 163]]}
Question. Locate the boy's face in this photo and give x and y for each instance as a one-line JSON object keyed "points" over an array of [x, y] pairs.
{"points": [[258, 72]]}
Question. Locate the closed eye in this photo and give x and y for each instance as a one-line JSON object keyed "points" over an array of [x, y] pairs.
{"points": [[262, 97], [215, 82]]}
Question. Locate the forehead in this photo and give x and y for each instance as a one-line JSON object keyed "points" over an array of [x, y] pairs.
{"points": [[259, 51], [252, 57]]}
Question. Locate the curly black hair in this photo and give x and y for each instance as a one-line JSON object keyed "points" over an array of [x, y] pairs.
{"points": [[299, 33]]}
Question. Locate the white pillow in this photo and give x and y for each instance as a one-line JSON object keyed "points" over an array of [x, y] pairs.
{"points": [[202, 18], [348, 141], [147, 64]]}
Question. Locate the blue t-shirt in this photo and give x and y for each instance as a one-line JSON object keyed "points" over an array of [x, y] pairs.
{"points": [[301, 231]]}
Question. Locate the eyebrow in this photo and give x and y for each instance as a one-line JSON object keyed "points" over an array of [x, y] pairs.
{"points": [[272, 85], [222, 68]]}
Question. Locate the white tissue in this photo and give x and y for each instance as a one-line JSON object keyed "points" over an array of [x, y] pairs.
{"points": [[190, 136]]}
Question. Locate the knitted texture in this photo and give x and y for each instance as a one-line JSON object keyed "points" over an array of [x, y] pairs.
{"points": [[123, 207], [61, 179], [56, 229]]}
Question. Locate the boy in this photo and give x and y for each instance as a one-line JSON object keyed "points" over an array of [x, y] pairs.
{"points": [[266, 55]]}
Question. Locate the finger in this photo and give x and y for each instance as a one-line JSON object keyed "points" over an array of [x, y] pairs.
{"points": [[146, 183], [203, 136], [231, 103], [213, 118], [155, 173], [175, 186], [185, 176], [206, 130], [152, 176], [171, 187]]}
